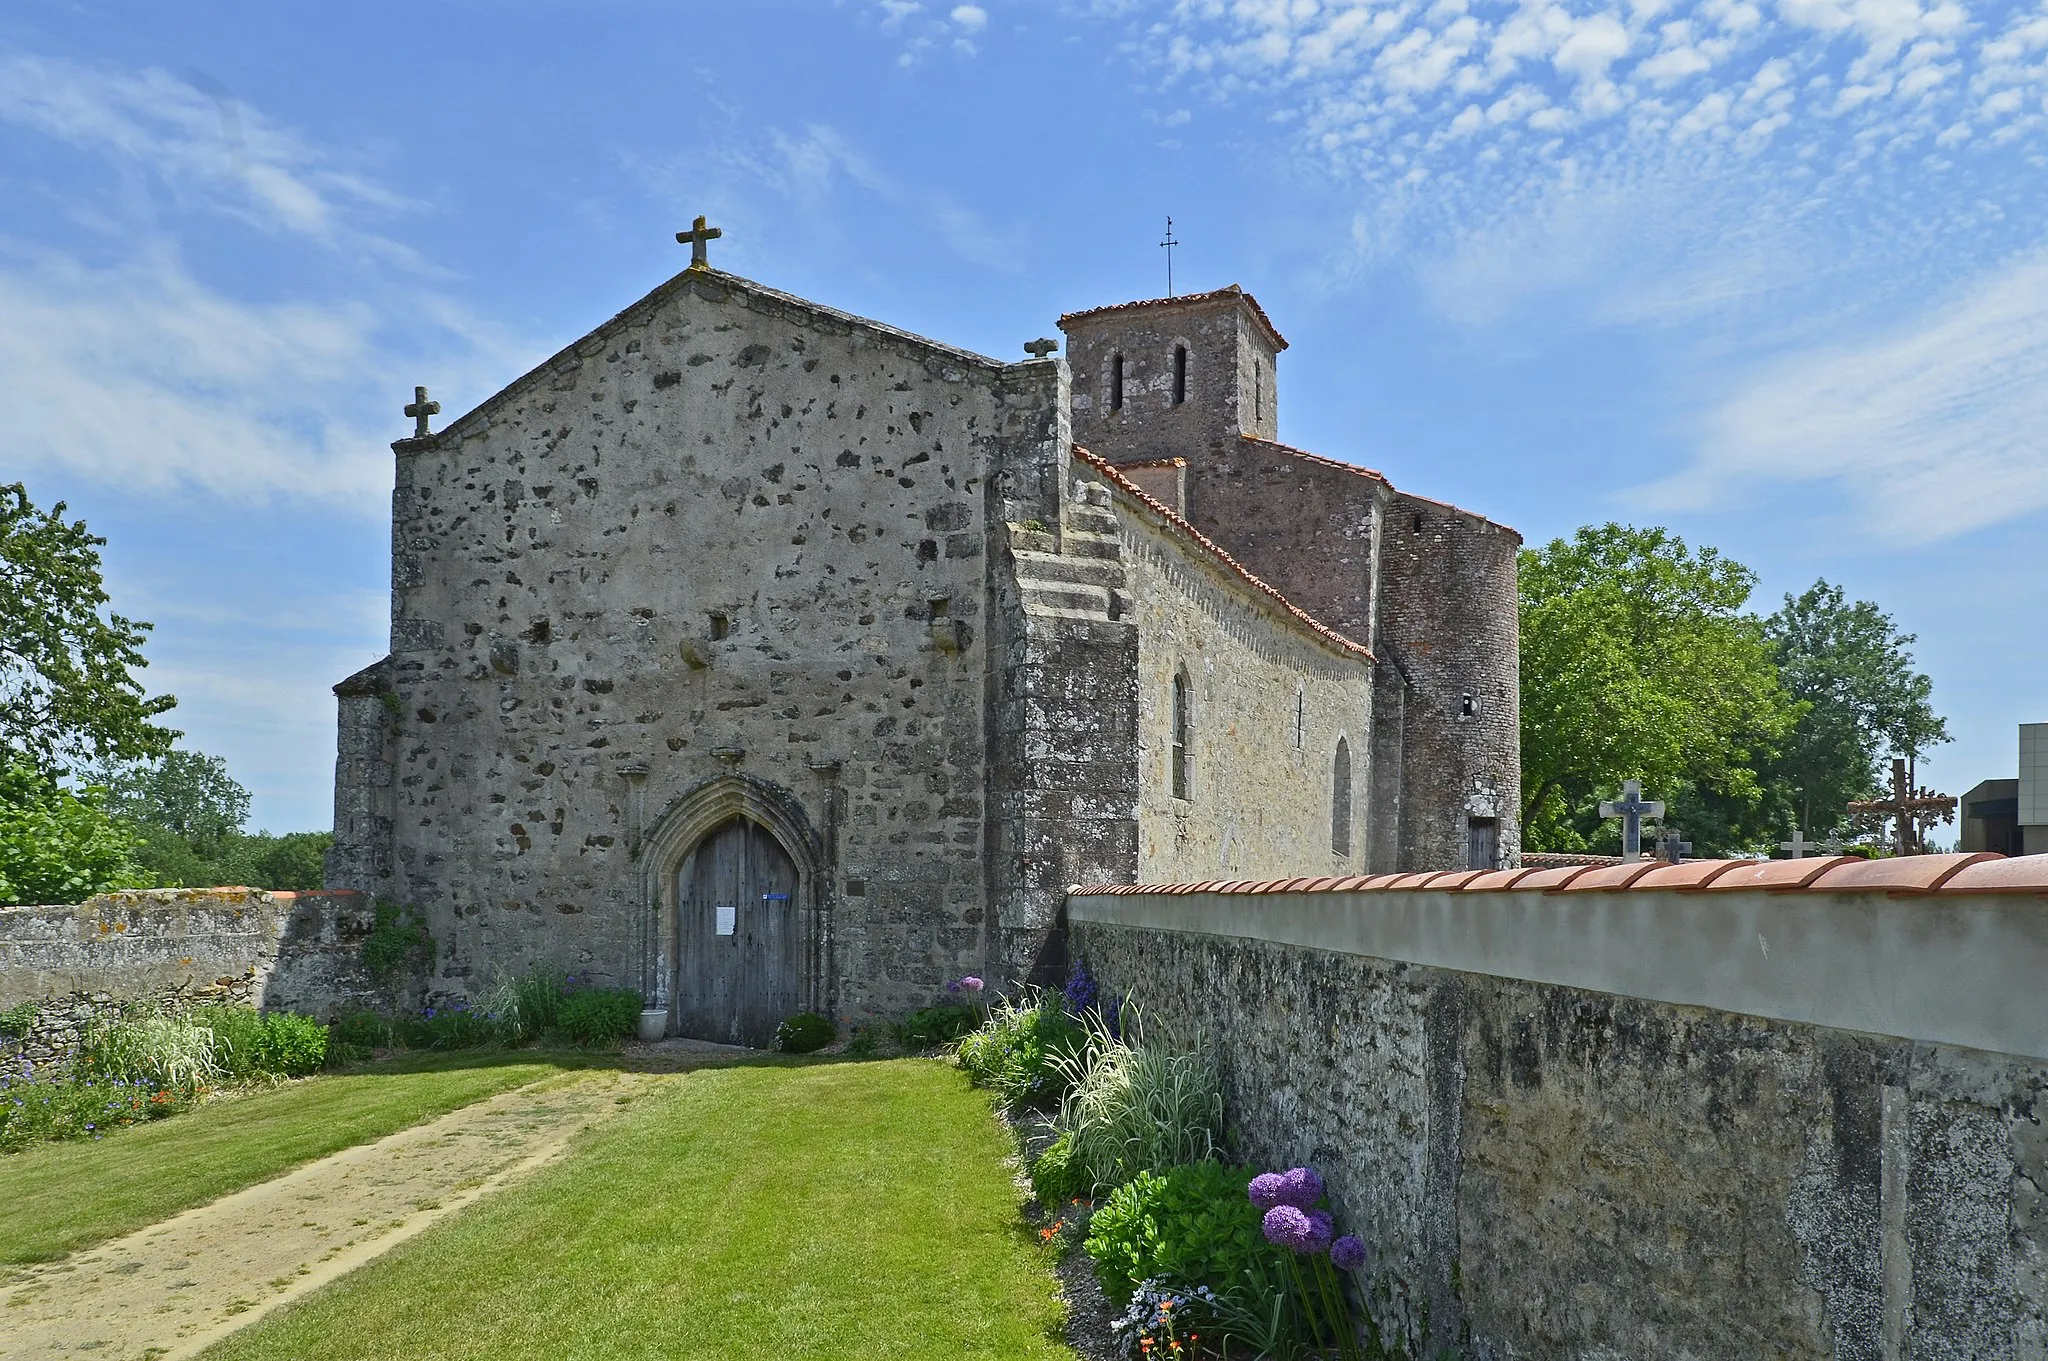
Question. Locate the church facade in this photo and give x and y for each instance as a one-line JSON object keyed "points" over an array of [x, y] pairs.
{"points": [[765, 658]]}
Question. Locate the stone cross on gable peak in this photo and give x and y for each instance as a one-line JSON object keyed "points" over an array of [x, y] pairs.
{"points": [[696, 239], [1041, 347], [419, 408], [1798, 846], [1632, 808]]}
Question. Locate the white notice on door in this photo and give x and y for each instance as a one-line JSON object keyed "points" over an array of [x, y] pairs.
{"points": [[727, 922]]}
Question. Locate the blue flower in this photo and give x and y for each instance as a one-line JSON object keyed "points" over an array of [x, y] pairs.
{"points": [[1348, 1253]]}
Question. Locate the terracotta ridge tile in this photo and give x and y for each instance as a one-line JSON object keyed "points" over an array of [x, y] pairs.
{"points": [[1174, 521]]}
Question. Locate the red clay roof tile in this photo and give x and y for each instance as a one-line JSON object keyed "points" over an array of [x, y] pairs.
{"points": [[1777, 874], [1456, 879], [1495, 881], [2015, 874], [1690, 874], [1556, 878], [1608, 878], [1407, 881], [1185, 300], [1898, 874]]}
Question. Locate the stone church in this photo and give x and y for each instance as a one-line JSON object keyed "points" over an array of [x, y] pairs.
{"points": [[766, 658]]}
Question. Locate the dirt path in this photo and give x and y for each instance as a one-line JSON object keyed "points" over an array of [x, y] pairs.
{"points": [[168, 1290]]}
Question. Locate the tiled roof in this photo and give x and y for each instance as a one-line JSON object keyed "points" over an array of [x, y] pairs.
{"points": [[1969, 872], [1177, 524], [1185, 300]]}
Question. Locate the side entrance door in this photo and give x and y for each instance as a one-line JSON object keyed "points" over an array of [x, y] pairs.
{"points": [[739, 971]]}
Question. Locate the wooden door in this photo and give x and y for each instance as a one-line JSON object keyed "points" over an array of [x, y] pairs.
{"points": [[739, 967]]}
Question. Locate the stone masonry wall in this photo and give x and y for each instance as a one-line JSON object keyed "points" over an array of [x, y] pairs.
{"points": [[1565, 1172], [730, 536], [71, 965], [1269, 703]]}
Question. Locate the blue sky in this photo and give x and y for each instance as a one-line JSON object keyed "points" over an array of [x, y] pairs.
{"points": [[1767, 271]]}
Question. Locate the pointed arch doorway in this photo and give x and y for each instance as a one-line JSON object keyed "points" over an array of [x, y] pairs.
{"points": [[739, 964]]}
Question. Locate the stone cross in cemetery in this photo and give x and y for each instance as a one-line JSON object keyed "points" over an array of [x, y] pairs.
{"points": [[1041, 347], [1671, 846], [695, 239], [1632, 808], [1798, 846], [1911, 811], [419, 408]]}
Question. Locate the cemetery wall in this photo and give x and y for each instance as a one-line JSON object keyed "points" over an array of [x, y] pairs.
{"points": [[63, 967], [1738, 1119]]}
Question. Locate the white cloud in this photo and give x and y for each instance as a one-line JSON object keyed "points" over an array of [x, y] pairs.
{"points": [[973, 18], [142, 378], [211, 146], [1929, 431]]}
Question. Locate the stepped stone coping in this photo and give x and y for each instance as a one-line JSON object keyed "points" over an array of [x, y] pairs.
{"points": [[1968, 872]]}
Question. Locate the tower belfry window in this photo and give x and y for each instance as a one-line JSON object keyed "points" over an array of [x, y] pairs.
{"points": [[1116, 383], [1180, 374]]}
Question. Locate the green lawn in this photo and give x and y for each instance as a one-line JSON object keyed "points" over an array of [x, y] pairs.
{"points": [[63, 1197], [843, 1210]]}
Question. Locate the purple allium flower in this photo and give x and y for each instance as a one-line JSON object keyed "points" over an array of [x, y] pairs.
{"points": [[1348, 1253], [972, 984], [1288, 1226], [1320, 1227], [953, 987], [1267, 1190], [1301, 1186]]}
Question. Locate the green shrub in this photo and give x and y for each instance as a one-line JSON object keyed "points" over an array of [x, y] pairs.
{"points": [[238, 1038], [168, 1051], [1054, 1178], [523, 1006], [805, 1033], [1134, 1106], [398, 938], [293, 1045], [18, 1020], [363, 1030], [57, 846], [1193, 1225], [930, 1027], [594, 1017], [445, 1028], [1023, 1051]]}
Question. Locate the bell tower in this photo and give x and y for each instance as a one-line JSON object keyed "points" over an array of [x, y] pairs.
{"points": [[1173, 377]]}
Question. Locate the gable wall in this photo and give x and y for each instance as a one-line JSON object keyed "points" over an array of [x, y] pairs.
{"points": [[556, 560]]}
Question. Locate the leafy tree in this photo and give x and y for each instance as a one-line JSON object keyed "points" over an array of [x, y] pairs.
{"points": [[186, 793], [68, 693], [1864, 701], [1638, 662], [57, 846]]}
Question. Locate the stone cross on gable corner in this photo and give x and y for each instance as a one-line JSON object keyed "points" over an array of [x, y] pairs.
{"points": [[1798, 846], [696, 239], [419, 408], [1041, 347], [1632, 808]]}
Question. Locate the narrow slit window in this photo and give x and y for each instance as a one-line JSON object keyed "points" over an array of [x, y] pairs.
{"points": [[1180, 374], [1340, 799], [1258, 391], [1300, 716], [720, 627], [1180, 735], [1116, 383]]}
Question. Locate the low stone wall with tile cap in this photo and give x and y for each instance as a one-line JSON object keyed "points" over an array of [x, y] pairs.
{"points": [[1715, 1109], [63, 967]]}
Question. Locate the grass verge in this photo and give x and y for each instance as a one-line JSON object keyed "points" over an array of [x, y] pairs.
{"points": [[777, 1211], [66, 1196]]}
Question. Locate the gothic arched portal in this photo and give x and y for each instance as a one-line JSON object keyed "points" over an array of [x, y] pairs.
{"points": [[739, 937]]}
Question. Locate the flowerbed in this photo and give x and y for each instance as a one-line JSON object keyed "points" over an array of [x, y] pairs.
{"points": [[1213, 1259]]}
